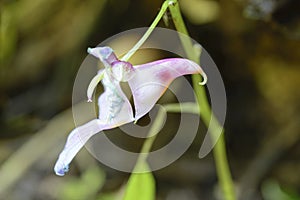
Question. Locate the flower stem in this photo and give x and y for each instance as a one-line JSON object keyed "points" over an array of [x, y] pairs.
{"points": [[219, 150], [157, 122], [158, 17], [153, 132]]}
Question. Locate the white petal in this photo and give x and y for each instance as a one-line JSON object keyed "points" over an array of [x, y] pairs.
{"points": [[76, 139], [114, 107]]}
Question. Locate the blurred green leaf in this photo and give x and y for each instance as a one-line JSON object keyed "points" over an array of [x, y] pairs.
{"points": [[271, 190], [140, 186], [108, 196], [8, 34], [86, 187]]}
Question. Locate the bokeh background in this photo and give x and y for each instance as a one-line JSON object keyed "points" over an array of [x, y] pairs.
{"points": [[255, 44]]}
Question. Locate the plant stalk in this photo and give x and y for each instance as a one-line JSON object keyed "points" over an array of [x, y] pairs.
{"points": [[207, 116], [219, 149]]}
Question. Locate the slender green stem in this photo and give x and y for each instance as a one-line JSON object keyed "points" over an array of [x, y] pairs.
{"points": [[187, 107], [219, 150], [148, 32], [158, 121]]}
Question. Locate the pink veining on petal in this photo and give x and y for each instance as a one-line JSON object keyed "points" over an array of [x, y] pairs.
{"points": [[152, 79]]}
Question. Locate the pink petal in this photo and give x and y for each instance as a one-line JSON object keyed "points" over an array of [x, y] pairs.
{"points": [[152, 79]]}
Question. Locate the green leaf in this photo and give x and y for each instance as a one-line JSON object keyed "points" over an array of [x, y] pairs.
{"points": [[140, 186], [271, 190], [85, 187]]}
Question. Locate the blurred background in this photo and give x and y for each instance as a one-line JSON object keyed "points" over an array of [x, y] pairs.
{"points": [[255, 44]]}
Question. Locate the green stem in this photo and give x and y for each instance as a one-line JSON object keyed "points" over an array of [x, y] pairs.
{"points": [[158, 121], [187, 107], [219, 150], [148, 32]]}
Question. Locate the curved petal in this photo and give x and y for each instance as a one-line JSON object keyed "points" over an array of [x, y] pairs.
{"points": [[76, 139], [152, 79], [114, 110], [93, 84]]}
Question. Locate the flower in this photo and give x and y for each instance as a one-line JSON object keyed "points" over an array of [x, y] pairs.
{"points": [[147, 82]]}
